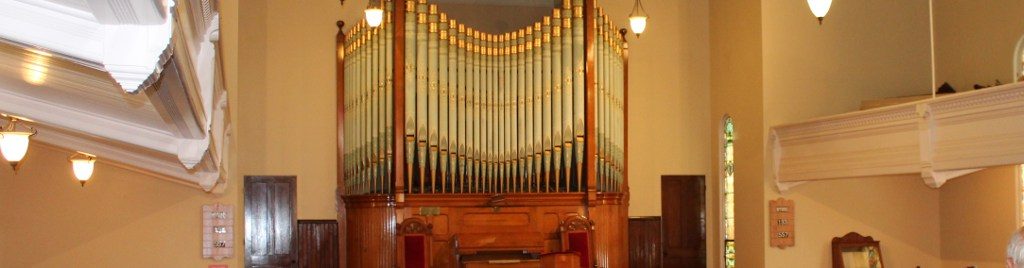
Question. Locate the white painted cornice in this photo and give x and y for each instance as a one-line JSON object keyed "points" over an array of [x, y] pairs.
{"points": [[940, 139], [127, 156], [98, 125]]}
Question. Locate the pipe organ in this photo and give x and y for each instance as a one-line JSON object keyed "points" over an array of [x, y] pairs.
{"points": [[486, 136]]}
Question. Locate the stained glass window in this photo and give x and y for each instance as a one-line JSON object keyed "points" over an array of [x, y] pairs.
{"points": [[728, 195], [1019, 67]]}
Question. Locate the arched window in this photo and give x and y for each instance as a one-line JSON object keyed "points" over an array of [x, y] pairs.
{"points": [[1018, 66], [728, 194]]}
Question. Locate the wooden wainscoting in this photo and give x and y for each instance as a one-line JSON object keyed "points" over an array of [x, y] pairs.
{"points": [[645, 242], [318, 244]]}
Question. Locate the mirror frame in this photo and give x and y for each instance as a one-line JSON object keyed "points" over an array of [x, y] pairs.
{"points": [[852, 239]]}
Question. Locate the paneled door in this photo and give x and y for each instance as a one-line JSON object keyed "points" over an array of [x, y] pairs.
{"points": [[682, 212], [270, 223]]}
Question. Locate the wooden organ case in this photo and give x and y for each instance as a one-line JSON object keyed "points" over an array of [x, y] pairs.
{"points": [[493, 146]]}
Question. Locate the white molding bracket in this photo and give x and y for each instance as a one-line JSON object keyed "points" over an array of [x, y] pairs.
{"points": [[940, 139], [139, 43], [134, 54]]}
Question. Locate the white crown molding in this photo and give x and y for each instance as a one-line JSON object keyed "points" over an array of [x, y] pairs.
{"points": [[95, 124], [131, 157], [940, 139]]}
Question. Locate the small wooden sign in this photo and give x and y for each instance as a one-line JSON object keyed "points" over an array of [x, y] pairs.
{"points": [[782, 216]]}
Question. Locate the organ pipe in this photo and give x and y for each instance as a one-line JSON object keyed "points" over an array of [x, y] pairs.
{"points": [[484, 112]]}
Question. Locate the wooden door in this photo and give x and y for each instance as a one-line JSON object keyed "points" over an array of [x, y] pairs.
{"points": [[270, 224], [645, 242], [682, 211]]}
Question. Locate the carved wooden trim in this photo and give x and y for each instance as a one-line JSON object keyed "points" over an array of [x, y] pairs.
{"points": [[852, 239], [415, 226], [576, 223]]}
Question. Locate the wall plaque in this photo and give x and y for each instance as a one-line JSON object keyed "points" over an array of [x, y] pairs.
{"points": [[218, 238], [782, 215]]}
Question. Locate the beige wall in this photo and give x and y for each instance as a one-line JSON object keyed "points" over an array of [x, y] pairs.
{"points": [[975, 41], [979, 212], [900, 212], [119, 219], [286, 100], [864, 50], [668, 97], [736, 88]]}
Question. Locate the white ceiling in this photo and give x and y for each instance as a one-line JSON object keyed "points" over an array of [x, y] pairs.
{"points": [[80, 5]]}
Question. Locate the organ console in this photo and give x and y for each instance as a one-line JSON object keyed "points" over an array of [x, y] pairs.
{"points": [[436, 119]]}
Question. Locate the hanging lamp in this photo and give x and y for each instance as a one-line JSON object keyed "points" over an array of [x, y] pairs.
{"points": [[638, 18], [374, 14]]}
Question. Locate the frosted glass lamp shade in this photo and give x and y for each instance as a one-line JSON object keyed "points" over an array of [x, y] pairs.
{"points": [[83, 168], [638, 24], [14, 145], [374, 16], [819, 8]]}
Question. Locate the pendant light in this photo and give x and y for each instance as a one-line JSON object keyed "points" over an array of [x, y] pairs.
{"points": [[374, 14], [819, 8], [14, 143], [83, 165], [638, 18]]}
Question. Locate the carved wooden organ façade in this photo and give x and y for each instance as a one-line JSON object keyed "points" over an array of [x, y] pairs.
{"points": [[493, 140]]}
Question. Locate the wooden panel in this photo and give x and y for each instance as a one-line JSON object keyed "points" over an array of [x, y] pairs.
{"points": [[371, 232], [318, 244], [270, 233], [520, 264], [645, 242], [682, 210], [496, 219], [561, 260], [372, 221]]}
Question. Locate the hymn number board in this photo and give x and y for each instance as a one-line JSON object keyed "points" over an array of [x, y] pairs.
{"points": [[782, 222]]}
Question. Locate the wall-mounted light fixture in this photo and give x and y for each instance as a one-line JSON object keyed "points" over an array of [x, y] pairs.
{"points": [[14, 143], [83, 165], [819, 8], [638, 18], [374, 13]]}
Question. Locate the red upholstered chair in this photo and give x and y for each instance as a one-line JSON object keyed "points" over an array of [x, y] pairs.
{"points": [[577, 236], [414, 243]]}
